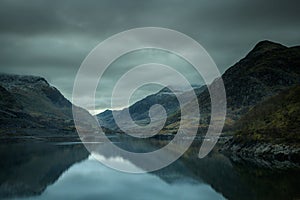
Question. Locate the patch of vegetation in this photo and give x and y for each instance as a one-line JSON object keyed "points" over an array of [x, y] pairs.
{"points": [[275, 120]]}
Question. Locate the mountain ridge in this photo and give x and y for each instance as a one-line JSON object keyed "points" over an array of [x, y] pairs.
{"points": [[30, 102], [266, 70]]}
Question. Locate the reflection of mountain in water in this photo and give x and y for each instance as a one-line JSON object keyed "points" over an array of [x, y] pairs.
{"points": [[234, 180], [89, 180], [244, 181], [28, 168]]}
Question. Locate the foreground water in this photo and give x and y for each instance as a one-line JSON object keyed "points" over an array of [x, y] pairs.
{"points": [[65, 170]]}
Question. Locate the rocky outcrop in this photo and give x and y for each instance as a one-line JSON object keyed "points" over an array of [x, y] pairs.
{"points": [[263, 153]]}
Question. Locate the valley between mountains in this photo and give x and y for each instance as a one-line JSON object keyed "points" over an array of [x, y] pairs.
{"points": [[263, 107]]}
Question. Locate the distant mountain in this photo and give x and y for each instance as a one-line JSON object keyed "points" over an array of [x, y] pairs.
{"points": [[140, 110], [29, 102]]}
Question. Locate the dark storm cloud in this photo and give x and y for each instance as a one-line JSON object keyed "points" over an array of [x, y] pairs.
{"points": [[51, 38]]}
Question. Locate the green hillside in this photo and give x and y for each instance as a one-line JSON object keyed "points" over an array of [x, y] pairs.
{"points": [[275, 120]]}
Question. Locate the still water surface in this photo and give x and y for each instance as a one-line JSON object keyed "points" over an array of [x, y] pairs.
{"points": [[47, 170]]}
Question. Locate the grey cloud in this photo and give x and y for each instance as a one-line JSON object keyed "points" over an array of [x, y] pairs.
{"points": [[51, 38]]}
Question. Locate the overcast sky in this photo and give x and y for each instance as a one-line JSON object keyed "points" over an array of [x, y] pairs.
{"points": [[51, 38]]}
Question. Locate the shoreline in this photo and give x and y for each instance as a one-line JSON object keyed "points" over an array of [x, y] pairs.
{"points": [[263, 153]]}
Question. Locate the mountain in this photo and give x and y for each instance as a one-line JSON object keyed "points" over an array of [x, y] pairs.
{"points": [[140, 110], [266, 70], [29, 102]]}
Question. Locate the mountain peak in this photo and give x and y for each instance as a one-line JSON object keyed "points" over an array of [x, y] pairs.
{"points": [[22, 81], [21, 78], [265, 46]]}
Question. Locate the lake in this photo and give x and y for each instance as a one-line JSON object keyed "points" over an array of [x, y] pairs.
{"points": [[38, 169]]}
